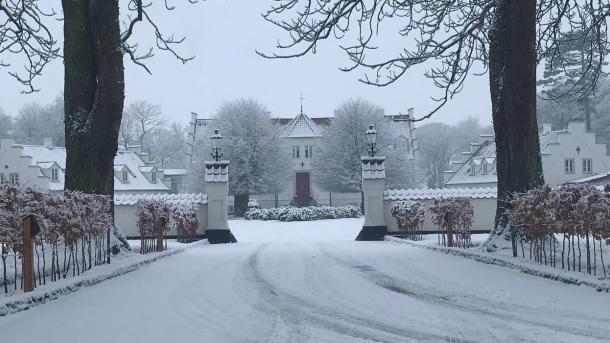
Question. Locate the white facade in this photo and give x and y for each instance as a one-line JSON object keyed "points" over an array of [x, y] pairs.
{"points": [[43, 167], [567, 155]]}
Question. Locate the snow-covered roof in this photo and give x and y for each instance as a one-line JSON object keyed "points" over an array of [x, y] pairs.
{"points": [[592, 178], [174, 172], [486, 152], [300, 127], [44, 157], [437, 193], [179, 198]]}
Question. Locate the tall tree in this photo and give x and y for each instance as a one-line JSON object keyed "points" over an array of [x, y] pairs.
{"points": [[569, 75], [436, 146], [337, 165], [508, 37], [93, 50], [259, 160]]}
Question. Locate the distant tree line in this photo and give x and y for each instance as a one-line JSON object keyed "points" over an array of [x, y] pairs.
{"points": [[143, 123]]}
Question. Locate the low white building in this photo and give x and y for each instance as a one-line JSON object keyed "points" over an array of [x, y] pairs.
{"points": [[43, 167], [567, 155]]}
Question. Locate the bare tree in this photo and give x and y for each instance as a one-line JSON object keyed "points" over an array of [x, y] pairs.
{"points": [[143, 118], [94, 44], [34, 122], [459, 38]]}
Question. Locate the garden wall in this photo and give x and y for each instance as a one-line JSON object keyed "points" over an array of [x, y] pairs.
{"points": [[483, 201], [125, 210]]}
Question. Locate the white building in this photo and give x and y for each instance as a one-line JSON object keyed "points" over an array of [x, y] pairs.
{"points": [[43, 167], [567, 155], [302, 135]]}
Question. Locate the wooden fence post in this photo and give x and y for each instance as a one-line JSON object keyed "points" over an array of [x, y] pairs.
{"points": [[30, 229]]}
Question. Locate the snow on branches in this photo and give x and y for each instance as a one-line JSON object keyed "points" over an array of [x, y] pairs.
{"points": [[573, 212], [72, 222], [409, 216], [453, 216]]}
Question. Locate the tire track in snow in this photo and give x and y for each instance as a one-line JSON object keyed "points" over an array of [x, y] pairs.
{"points": [[478, 306], [299, 311]]}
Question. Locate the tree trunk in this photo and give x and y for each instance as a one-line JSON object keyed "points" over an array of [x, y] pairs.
{"points": [[241, 204], [512, 73], [93, 93]]}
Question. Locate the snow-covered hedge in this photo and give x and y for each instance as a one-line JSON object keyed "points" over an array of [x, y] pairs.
{"points": [[454, 217], [578, 214], [72, 237], [288, 214]]}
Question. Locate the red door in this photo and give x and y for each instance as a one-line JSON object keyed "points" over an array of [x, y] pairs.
{"points": [[303, 184]]}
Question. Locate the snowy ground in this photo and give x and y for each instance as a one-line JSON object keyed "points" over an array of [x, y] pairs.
{"points": [[274, 286]]}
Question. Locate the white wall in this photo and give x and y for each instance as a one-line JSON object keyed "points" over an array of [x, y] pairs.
{"points": [[125, 217], [553, 163], [11, 161], [484, 215]]}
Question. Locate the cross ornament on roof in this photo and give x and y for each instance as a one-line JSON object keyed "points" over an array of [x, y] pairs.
{"points": [[301, 98]]}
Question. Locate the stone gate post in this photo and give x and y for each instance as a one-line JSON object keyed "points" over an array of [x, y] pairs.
{"points": [[373, 185], [217, 184]]}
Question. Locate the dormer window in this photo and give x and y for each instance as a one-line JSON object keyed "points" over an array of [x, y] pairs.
{"points": [[125, 176], [484, 164], [54, 175], [153, 176], [473, 168]]}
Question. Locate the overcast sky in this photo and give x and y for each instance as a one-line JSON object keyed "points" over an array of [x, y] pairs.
{"points": [[223, 36]]}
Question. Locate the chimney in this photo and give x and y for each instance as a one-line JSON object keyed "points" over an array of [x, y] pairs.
{"points": [[410, 112], [135, 148], [47, 142], [486, 137], [546, 128]]}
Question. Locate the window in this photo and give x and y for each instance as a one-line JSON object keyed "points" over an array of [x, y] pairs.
{"points": [[14, 178], [484, 164], [587, 165], [568, 166], [125, 176], [54, 174], [296, 151], [174, 187], [473, 168], [308, 151], [2, 178], [153, 176]]}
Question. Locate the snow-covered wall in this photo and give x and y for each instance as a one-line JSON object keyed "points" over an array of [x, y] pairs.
{"points": [[483, 201], [125, 211]]}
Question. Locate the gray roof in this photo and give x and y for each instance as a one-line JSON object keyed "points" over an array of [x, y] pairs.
{"points": [[300, 127], [486, 153]]}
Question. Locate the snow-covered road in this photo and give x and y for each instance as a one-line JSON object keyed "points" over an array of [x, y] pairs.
{"points": [[274, 287]]}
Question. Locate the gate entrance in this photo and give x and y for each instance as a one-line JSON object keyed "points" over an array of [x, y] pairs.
{"points": [[303, 184]]}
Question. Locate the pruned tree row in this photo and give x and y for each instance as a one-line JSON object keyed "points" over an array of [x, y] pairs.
{"points": [[454, 218], [409, 216], [72, 236], [156, 218], [578, 215]]}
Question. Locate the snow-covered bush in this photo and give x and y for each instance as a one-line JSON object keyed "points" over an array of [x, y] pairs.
{"points": [[72, 224], [409, 216], [576, 212], [186, 221], [289, 214], [154, 220], [454, 217]]}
